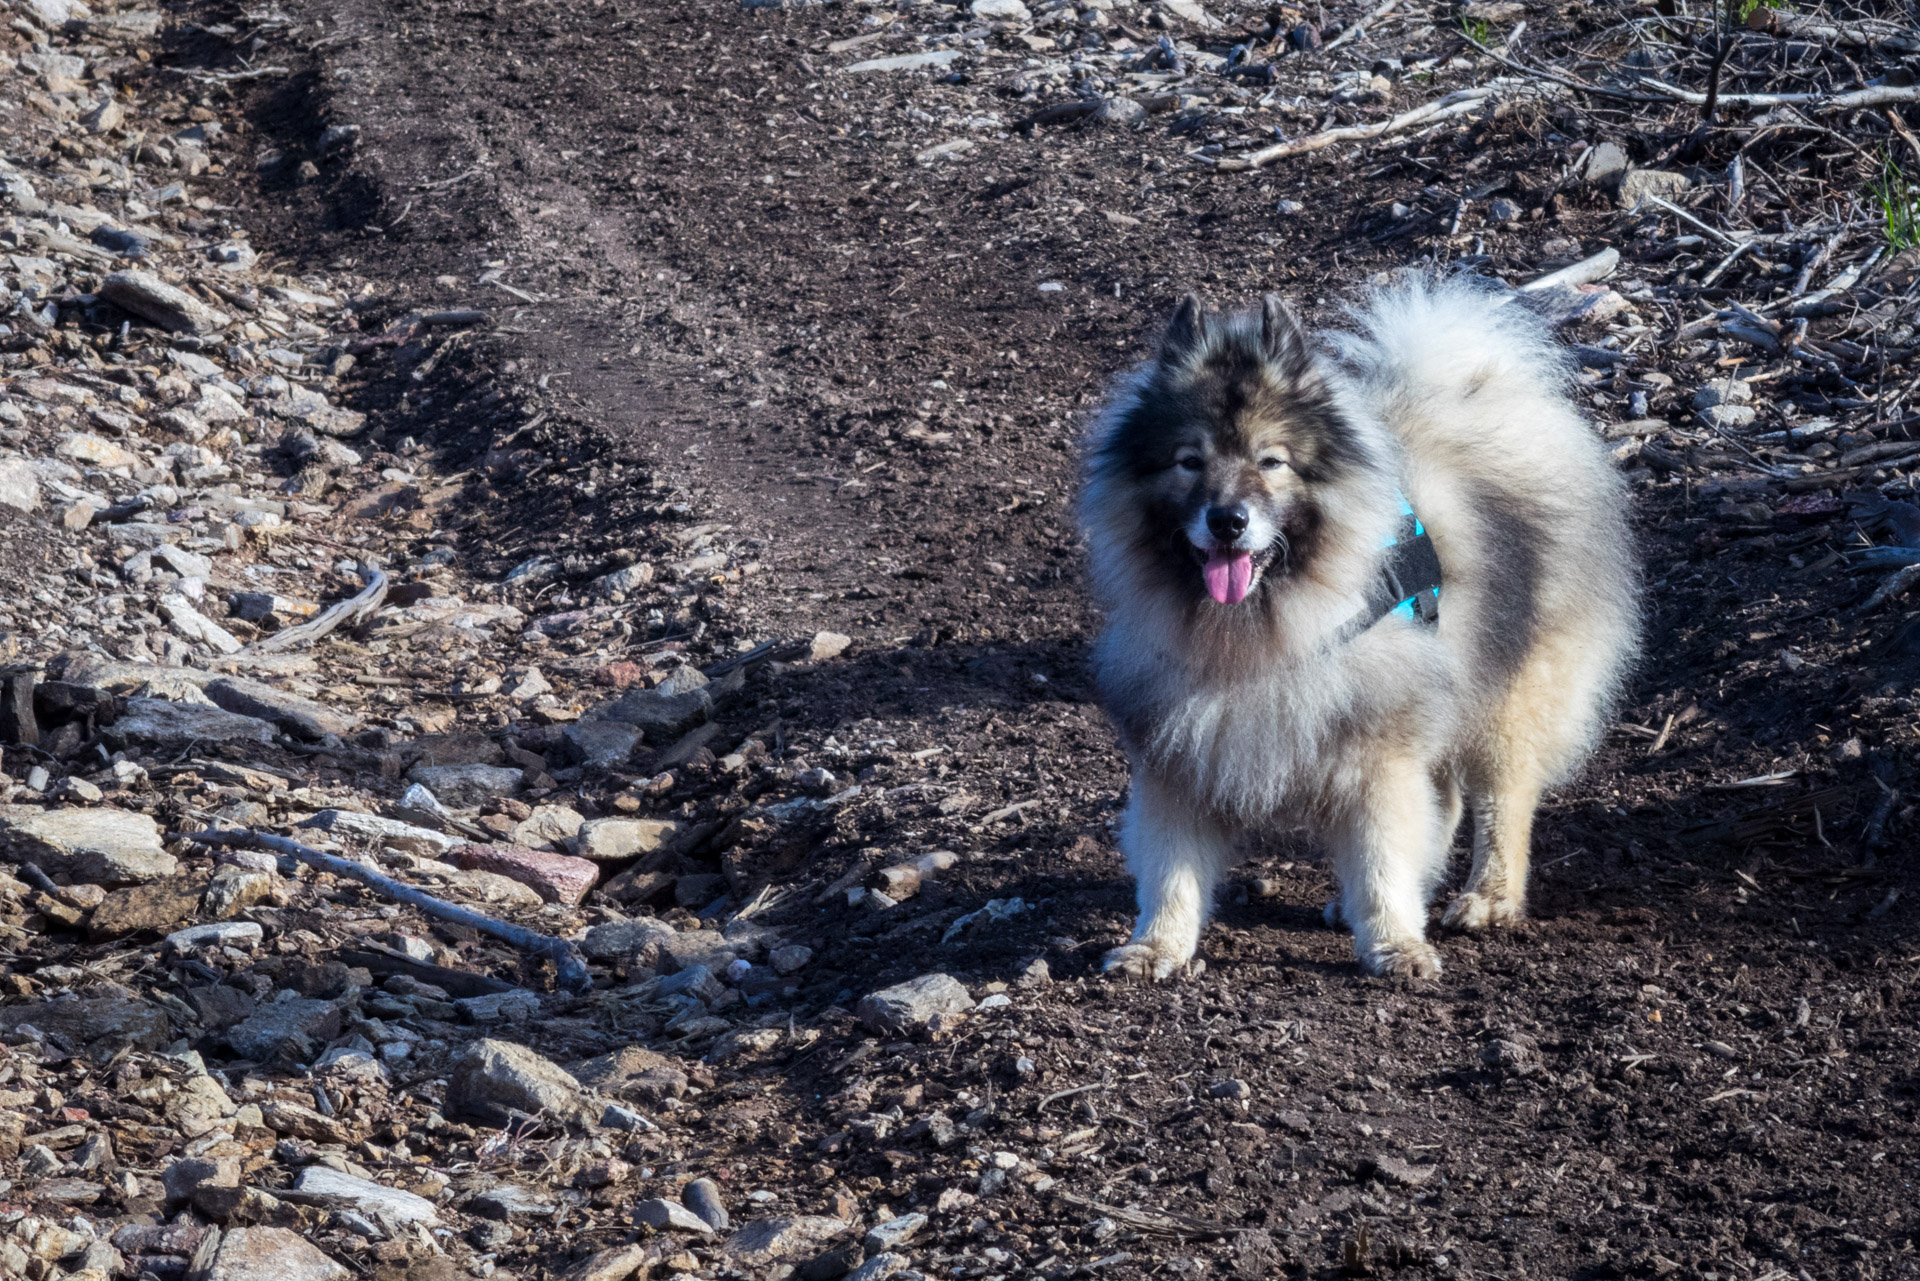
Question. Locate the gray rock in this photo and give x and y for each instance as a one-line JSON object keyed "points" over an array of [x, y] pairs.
{"points": [[516, 1006], [1605, 164], [1729, 417], [160, 723], [1504, 210], [391, 833], [271, 1254], [1723, 391], [1636, 184], [183, 562], [909, 1005], [907, 61], [618, 940], [101, 1023], [98, 847], [633, 1073], [878, 1267], [670, 1216], [765, 1242], [189, 622], [786, 960], [465, 786], [19, 484], [600, 744], [221, 933], [189, 1174], [608, 839], [510, 1201], [495, 1078], [301, 717], [296, 1028], [154, 300], [1392, 1169], [393, 1209], [893, 1233], [659, 715], [548, 825], [695, 980], [702, 1196]]}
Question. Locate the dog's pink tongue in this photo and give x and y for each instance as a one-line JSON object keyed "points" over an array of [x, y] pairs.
{"points": [[1229, 575]]}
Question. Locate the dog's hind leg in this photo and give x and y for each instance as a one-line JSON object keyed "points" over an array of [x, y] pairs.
{"points": [[1177, 855], [1387, 855], [1496, 889]]}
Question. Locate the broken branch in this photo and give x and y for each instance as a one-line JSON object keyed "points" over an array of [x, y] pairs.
{"points": [[569, 966], [353, 610], [1454, 104]]}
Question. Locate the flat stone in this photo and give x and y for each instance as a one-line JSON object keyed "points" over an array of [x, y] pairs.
{"points": [[510, 1201], [271, 1254], [296, 1027], [390, 833], [879, 1267], [516, 1006], [493, 1078], [786, 960], [619, 940], [99, 1022], [893, 1233], [183, 562], [160, 905], [670, 1216], [466, 786], [19, 484], [216, 933], [660, 715], [189, 622], [620, 1263], [1729, 417], [1001, 11], [1605, 163], [161, 723], [93, 846], [548, 825], [301, 717], [600, 744], [86, 447], [908, 1005], [765, 1242], [610, 839], [1636, 184], [827, 645], [907, 61], [391, 1208], [633, 1073], [154, 300], [475, 886], [1723, 391], [557, 878], [1393, 1169]]}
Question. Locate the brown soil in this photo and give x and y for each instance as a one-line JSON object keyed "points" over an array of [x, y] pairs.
{"points": [[753, 300]]}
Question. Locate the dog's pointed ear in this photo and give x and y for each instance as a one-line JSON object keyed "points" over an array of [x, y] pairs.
{"points": [[1185, 332], [1282, 338]]}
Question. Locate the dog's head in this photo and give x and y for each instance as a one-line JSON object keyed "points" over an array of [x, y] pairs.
{"points": [[1230, 446]]}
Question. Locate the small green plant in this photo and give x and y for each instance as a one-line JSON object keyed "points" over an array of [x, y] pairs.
{"points": [[1741, 10], [1899, 199], [1478, 30]]}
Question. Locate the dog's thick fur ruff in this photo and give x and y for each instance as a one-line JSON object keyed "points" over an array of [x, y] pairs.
{"points": [[1268, 712]]}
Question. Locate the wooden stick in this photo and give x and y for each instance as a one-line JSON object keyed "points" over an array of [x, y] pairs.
{"points": [[363, 606], [569, 965], [1584, 272], [1872, 96], [1359, 27], [1457, 103]]}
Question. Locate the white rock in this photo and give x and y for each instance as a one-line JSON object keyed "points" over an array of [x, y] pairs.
{"points": [[189, 622], [224, 933], [19, 484], [1001, 11]]}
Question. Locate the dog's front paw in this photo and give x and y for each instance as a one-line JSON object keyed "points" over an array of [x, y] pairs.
{"points": [[1472, 911], [1407, 959], [1148, 962]]}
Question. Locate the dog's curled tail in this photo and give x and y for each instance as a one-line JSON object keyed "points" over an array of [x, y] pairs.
{"points": [[1427, 341]]}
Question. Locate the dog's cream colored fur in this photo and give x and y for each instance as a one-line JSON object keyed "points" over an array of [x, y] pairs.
{"points": [[1267, 718]]}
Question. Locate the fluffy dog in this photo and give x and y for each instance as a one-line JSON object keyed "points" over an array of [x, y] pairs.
{"points": [[1242, 491]]}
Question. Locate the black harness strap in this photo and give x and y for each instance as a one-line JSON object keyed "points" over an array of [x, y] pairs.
{"points": [[1409, 580]]}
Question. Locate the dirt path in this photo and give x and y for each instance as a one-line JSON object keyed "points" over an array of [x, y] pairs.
{"points": [[729, 266]]}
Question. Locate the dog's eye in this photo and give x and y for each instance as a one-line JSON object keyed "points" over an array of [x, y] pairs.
{"points": [[1272, 462], [1189, 462]]}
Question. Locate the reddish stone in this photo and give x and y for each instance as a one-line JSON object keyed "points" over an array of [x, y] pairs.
{"points": [[620, 675], [557, 878]]}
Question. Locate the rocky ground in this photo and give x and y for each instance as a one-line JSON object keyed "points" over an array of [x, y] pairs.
{"points": [[606, 466]]}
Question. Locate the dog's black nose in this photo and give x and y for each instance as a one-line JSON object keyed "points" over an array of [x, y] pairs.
{"points": [[1226, 523]]}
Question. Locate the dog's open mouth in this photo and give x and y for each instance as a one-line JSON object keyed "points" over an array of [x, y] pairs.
{"points": [[1230, 572]]}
